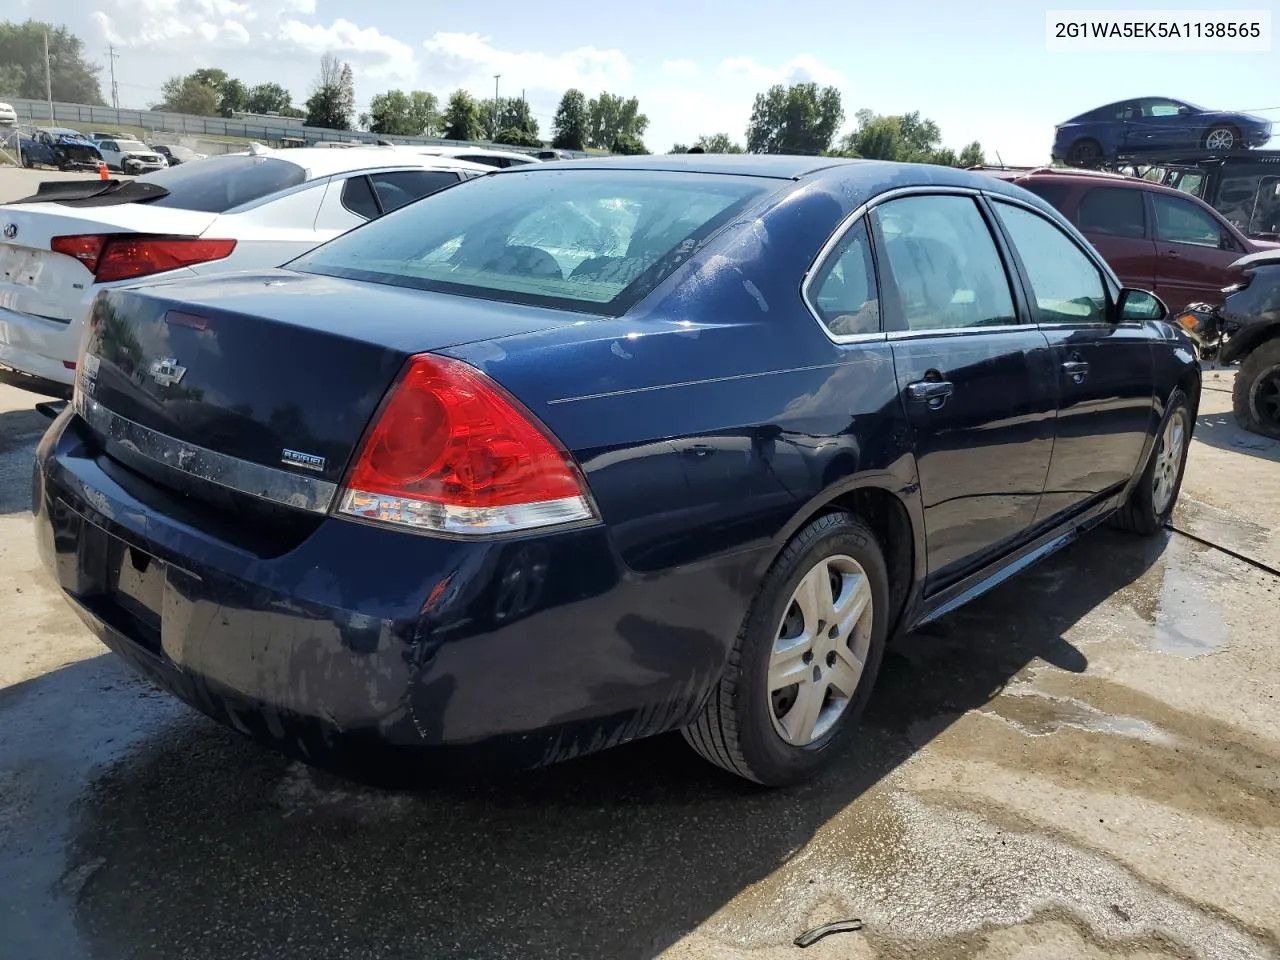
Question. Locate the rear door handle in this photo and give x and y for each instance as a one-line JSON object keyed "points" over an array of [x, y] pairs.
{"points": [[1077, 370], [930, 391]]}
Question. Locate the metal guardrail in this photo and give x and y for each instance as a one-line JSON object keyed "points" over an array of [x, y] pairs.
{"points": [[86, 117]]}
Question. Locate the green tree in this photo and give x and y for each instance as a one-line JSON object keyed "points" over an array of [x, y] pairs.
{"points": [[211, 77], [268, 98], [513, 119], [461, 120], [628, 144], [400, 113], [906, 138], [610, 117], [679, 148], [569, 127], [189, 95], [235, 95], [73, 79], [718, 143], [799, 119], [333, 99]]}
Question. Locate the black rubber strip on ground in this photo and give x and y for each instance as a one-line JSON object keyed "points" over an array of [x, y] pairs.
{"points": [[1265, 568]]}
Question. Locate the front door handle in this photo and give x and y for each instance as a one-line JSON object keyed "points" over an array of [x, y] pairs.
{"points": [[1173, 254], [1077, 370], [933, 392]]}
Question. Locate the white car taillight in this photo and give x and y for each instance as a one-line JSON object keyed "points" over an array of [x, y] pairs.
{"points": [[452, 452]]}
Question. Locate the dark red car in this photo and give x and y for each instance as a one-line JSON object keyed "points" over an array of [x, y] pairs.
{"points": [[1155, 238]]}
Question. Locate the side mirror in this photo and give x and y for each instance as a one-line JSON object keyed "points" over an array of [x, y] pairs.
{"points": [[1138, 305]]}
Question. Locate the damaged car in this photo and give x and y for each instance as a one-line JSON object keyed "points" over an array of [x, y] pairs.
{"points": [[60, 147], [1245, 329]]}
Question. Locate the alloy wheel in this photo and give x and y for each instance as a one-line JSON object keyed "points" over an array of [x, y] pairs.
{"points": [[820, 650], [1220, 139], [1164, 478]]}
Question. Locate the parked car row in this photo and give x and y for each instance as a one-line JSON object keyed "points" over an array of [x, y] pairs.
{"points": [[571, 453]]}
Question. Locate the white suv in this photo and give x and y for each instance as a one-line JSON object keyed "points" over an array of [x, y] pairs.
{"points": [[130, 156]]}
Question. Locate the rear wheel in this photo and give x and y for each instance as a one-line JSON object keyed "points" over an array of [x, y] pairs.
{"points": [[805, 660], [1151, 503], [1223, 137], [1084, 153], [1255, 399]]}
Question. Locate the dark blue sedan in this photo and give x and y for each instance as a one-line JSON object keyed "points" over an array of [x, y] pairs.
{"points": [[582, 452], [1153, 123]]}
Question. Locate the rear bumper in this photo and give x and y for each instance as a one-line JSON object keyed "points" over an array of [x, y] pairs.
{"points": [[39, 347], [515, 652]]}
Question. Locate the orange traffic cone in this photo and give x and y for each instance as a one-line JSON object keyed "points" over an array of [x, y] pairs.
{"points": [[102, 171]]}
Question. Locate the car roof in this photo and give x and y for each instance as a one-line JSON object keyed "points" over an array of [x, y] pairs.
{"points": [[779, 166], [472, 151], [319, 162]]}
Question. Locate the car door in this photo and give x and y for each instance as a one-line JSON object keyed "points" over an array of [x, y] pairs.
{"points": [[974, 374], [1195, 249], [1104, 369], [1115, 221]]}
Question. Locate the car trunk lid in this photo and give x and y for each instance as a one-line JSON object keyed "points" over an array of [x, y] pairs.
{"points": [[36, 281], [276, 370]]}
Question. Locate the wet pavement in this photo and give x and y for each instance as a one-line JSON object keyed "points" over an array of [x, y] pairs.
{"points": [[1084, 763]]}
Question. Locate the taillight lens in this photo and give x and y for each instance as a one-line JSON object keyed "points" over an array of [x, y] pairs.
{"points": [[126, 255], [452, 452]]}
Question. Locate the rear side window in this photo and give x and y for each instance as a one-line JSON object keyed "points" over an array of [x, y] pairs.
{"points": [[1054, 194], [219, 184], [1113, 211], [945, 264], [844, 290], [482, 158], [397, 187], [357, 196], [1068, 288], [589, 240]]}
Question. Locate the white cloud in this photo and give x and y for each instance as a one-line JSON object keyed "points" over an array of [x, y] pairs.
{"points": [[680, 69], [370, 51], [804, 68], [471, 60]]}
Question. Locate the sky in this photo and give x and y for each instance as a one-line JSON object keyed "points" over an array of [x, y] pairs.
{"points": [[981, 71]]}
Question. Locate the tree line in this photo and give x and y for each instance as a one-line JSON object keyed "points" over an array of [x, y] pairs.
{"points": [[800, 118]]}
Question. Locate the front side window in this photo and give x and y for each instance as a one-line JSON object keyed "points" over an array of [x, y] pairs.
{"points": [[1067, 287], [589, 240], [1114, 211], [944, 263], [1178, 221], [844, 289]]}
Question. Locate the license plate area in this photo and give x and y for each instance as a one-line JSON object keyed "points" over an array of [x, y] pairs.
{"points": [[135, 583]]}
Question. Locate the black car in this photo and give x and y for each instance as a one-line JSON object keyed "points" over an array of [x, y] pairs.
{"points": [[1245, 329], [176, 155], [581, 452], [1243, 187]]}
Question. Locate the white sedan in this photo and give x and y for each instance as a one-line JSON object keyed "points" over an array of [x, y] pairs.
{"points": [[242, 211]]}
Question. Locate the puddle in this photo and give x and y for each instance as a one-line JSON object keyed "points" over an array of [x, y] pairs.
{"points": [[1037, 714], [920, 873], [1178, 599]]}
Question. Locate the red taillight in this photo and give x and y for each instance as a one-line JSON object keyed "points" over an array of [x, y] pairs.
{"points": [[124, 255], [452, 452]]}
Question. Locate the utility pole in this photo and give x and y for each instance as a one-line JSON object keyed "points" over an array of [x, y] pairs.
{"points": [[496, 78], [48, 79], [115, 91]]}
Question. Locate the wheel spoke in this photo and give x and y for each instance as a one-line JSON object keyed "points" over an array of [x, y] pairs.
{"points": [[852, 603], [788, 666], [813, 597], [845, 673], [800, 721]]}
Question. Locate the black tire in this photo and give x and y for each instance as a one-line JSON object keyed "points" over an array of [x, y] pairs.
{"points": [[1085, 152], [736, 727], [1140, 513], [1237, 141], [1255, 399]]}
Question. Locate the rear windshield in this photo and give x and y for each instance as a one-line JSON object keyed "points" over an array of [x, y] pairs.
{"points": [[218, 184], [590, 240]]}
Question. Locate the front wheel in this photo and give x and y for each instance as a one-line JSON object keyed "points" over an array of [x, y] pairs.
{"points": [[805, 661], [1084, 153], [1151, 503], [1255, 398], [1223, 137]]}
